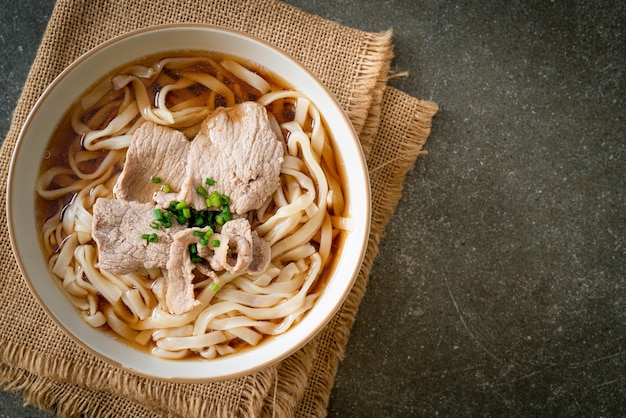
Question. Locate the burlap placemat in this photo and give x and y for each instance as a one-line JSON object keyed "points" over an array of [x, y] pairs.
{"points": [[50, 371]]}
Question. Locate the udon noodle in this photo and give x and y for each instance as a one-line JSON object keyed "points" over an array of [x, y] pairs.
{"points": [[302, 221]]}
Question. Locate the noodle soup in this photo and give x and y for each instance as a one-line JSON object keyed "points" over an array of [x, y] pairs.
{"points": [[303, 221]]}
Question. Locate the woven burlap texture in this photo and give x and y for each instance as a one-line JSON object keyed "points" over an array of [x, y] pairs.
{"points": [[49, 370]]}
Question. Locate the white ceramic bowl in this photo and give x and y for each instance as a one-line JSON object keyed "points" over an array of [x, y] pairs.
{"points": [[49, 110]]}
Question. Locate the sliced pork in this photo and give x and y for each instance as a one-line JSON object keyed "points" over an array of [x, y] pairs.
{"points": [[155, 151], [237, 148], [235, 251], [179, 296], [261, 255], [117, 229]]}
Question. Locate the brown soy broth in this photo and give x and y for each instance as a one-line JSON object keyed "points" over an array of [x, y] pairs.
{"points": [[65, 139], [56, 154]]}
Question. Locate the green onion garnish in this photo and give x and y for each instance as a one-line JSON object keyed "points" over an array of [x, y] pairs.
{"points": [[193, 254], [156, 179], [166, 188], [214, 287], [150, 237], [209, 181], [201, 191], [215, 199], [215, 243], [226, 214]]}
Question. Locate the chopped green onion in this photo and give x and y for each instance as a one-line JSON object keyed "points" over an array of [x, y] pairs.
{"points": [[188, 216], [204, 236], [201, 191], [150, 237], [215, 243], [214, 287], [226, 214], [193, 254], [154, 225], [166, 188], [156, 179], [209, 181], [215, 199]]}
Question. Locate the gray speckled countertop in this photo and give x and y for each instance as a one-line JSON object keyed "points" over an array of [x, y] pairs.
{"points": [[500, 288]]}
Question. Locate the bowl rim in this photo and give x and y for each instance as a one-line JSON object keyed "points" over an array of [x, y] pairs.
{"points": [[20, 145]]}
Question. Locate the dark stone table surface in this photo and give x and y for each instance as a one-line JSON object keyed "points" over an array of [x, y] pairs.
{"points": [[500, 286]]}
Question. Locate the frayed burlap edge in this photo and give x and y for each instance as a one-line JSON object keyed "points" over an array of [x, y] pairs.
{"points": [[64, 399], [373, 117], [154, 396], [366, 98]]}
